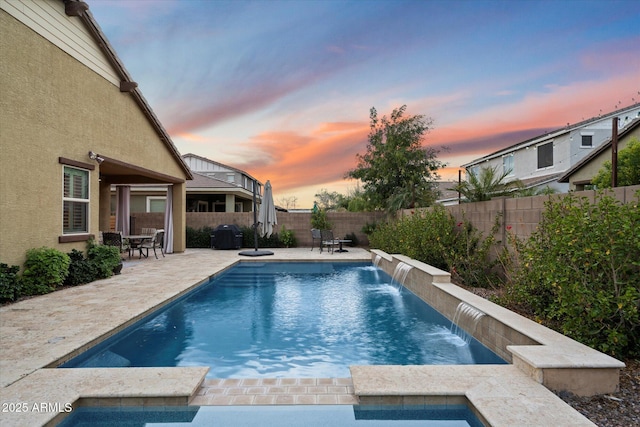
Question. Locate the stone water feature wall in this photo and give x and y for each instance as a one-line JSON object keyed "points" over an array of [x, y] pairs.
{"points": [[552, 359]]}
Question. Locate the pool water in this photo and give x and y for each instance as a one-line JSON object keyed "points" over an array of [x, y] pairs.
{"points": [[267, 416], [295, 320]]}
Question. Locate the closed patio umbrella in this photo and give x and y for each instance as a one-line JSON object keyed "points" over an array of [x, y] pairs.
{"points": [[267, 215], [267, 221]]}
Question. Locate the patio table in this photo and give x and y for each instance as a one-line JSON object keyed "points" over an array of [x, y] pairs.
{"points": [[136, 240]]}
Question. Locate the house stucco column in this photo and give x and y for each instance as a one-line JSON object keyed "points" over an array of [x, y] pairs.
{"points": [[104, 218], [230, 205], [179, 217]]}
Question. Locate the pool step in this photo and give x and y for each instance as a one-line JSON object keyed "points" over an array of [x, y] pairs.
{"points": [[275, 391]]}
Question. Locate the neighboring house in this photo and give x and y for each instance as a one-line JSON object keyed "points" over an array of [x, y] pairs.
{"points": [[72, 123], [219, 188], [215, 187], [446, 196], [540, 161], [581, 174]]}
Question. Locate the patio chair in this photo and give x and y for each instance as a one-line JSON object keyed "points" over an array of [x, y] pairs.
{"points": [[328, 240], [156, 242], [148, 231], [316, 235], [115, 239]]}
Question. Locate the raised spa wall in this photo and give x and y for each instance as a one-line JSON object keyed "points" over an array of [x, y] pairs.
{"points": [[550, 358]]}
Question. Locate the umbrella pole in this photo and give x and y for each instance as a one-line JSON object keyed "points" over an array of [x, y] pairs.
{"points": [[255, 252], [255, 218]]}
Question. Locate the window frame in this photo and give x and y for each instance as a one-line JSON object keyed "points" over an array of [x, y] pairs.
{"points": [[538, 154], [150, 199], [512, 169], [69, 231], [582, 137]]}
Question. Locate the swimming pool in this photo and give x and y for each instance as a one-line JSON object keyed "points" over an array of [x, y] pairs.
{"points": [[281, 416], [296, 320]]}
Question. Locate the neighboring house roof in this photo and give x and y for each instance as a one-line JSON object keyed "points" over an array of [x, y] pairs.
{"points": [[81, 10], [204, 182], [221, 165], [635, 123], [443, 187], [548, 135], [540, 180]]}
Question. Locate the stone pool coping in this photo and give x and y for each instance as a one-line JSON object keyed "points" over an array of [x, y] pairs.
{"points": [[40, 333]]}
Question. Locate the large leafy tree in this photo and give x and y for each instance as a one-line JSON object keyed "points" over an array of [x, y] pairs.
{"points": [[397, 171], [628, 167], [485, 185]]}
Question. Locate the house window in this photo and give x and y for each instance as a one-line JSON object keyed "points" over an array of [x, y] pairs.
{"points": [[231, 177], [507, 164], [587, 141], [156, 204], [545, 155], [75, 201]]}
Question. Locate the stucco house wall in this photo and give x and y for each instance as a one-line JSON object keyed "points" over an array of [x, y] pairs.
{"points": [[53, 107], [568, 150], [583, 172]]}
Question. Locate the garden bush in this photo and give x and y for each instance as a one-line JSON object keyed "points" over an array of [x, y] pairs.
{"points": [[320, 220], [198, 238], [420, 236], [44, 270], [248, 239], [469, 258], [287, 238], [81, 270], [9, 282], [580, 272], [104, 259], [435, 238]]}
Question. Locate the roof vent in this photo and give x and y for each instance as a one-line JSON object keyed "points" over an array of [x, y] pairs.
{"points": [[75, 8], [127, 86]]}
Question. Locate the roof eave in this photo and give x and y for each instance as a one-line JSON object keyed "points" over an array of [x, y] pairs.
{"points": [[81, 10]]}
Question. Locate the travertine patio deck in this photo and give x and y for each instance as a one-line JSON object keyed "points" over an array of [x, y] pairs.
{"points": [[36, 335]]}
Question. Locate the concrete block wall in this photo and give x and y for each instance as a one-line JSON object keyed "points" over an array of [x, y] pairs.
{"points": [[300, 223], [519, 216]]}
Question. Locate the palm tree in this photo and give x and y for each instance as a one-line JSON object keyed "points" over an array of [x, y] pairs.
{"points": [[489, 183]]}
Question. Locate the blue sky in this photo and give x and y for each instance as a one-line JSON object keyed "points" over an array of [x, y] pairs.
{"points": [[283, 89]]}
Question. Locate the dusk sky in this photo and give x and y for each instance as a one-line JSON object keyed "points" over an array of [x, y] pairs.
{"points": [[283, 89]]}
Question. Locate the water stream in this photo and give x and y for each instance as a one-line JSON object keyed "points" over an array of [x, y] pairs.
{"points": [[466, 316], [400, 274]]}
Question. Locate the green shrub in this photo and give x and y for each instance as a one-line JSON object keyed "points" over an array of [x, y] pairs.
{"points": [[287, 238], [469, 258], [369, 228], [9, 282], [248, 239], [435, 238], [104, 259], [580, 272], [198, 238], [421, 236], [354, 239], [44, 269], [320, 220], [81, 270]]}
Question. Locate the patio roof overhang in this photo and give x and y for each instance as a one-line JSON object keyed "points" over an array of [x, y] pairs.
{"points": [[119, 172]]}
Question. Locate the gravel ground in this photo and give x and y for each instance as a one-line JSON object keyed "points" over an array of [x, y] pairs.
{"points": [[620, 409]]}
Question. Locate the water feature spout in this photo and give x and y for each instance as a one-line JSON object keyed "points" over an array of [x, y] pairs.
{"points": [[465, 321], [376, 261], [400, 274]]}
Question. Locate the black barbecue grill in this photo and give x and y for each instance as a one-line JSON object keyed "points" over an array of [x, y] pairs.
{"points": [[226, 236]]}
